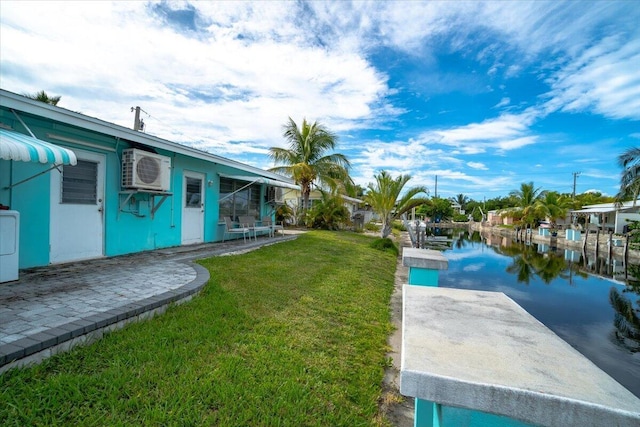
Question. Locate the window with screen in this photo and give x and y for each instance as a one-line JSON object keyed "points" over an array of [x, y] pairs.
{"points": [[238, 198], [80, 183]]}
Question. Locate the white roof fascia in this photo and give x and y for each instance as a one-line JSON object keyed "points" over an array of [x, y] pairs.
{"points": [[30, 106], [352, 200], [261, 180]]}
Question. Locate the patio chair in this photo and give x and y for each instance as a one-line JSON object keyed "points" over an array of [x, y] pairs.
{"points": [[252, 224], [267, 221], [230, 228]]}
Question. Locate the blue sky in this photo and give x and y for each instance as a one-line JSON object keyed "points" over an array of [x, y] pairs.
{"points": [[483, 95]]}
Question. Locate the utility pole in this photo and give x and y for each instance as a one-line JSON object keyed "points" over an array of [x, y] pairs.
{"points": [[138, 124], [575, 175], [436, 186]]}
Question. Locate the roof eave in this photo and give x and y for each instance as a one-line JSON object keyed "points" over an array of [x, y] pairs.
{"points": [[30, 106]]}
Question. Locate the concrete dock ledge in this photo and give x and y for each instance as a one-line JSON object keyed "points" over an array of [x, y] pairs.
{"points": [[482, 351], [424, 258]]}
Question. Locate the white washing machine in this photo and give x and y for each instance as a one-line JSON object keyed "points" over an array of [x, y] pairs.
{"points": [[9, 245]]}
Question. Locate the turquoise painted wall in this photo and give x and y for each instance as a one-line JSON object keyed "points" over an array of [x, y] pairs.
{"points": [[128, 227], [32, 200], [423, 276]]}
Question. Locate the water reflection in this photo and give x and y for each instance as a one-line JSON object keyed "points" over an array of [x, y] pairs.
{"points": [[626, 321], [573, 315]]}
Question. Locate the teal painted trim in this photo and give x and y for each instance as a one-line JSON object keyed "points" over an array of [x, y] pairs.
{"points": [[431, 414], [437, 415], [424, 414], [423, 277]]}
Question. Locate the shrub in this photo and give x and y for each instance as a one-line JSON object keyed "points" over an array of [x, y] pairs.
{"points": [[398, 225], [460, 218], [372, 226], [385, 245], [328, 214]]}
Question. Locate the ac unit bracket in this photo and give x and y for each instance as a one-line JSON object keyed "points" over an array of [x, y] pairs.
{"points": [[152, 195]]}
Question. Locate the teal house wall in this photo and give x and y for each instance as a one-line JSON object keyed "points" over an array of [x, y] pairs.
{"points": [[128, 223]]}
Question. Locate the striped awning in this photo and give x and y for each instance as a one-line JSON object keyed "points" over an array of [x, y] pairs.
{"points": [[17, 146]]}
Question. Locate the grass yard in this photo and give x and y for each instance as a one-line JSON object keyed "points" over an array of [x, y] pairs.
{"points": [[292, 334]]}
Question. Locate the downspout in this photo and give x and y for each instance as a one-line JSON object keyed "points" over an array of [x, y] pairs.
{"points": [[173, 201]]}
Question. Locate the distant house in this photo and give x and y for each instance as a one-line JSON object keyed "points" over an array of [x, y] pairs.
{"points": [[457, 209], [608, 217], [86, 188], [294, 200], [494, 218]]}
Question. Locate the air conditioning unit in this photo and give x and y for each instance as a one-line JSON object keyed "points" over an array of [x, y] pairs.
{"points": [[145, 171], [275, 195]]}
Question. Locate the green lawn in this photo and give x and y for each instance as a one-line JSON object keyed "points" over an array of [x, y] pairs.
{"points": [[292, 334]]}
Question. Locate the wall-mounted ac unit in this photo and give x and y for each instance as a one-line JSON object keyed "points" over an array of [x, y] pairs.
{"points": [[145, 171], [275, 195]]}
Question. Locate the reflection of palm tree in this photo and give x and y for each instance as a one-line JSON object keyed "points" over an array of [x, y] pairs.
{"points": [[626, 321], [522, 268], [527, 263], [550, 266]]}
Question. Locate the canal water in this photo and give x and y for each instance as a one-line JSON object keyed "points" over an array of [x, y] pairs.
{"points": [[593, 304]]}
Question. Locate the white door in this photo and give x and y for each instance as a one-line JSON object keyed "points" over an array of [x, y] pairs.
{"points": [[192, 208], [77, 204]]}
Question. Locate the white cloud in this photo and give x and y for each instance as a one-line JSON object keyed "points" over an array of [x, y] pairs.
{"points": [[477, 165], [504, 133], [227, 81], [208, 89], [503, 102], [604, 79]]}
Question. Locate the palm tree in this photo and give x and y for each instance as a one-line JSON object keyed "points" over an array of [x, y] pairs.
{"points": [[43, 97], [384, 198], [462, 200], [525, 199], [553, 206], [307, 160], [630, 179]]}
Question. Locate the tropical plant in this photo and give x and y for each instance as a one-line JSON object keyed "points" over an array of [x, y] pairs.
{"points": [[329, 213], [462, 200], [43, 97], [385, 245], [525, 200], [438, 209], [284, 213], [308, 159], [460, 218], [553, 206], [385, 199], [630, 178]]}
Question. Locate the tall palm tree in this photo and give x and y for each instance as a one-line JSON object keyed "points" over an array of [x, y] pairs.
{"points": [[526, 198], [384, 197], [308, 161], [630, 178], [43, 97], [527, 195]]}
